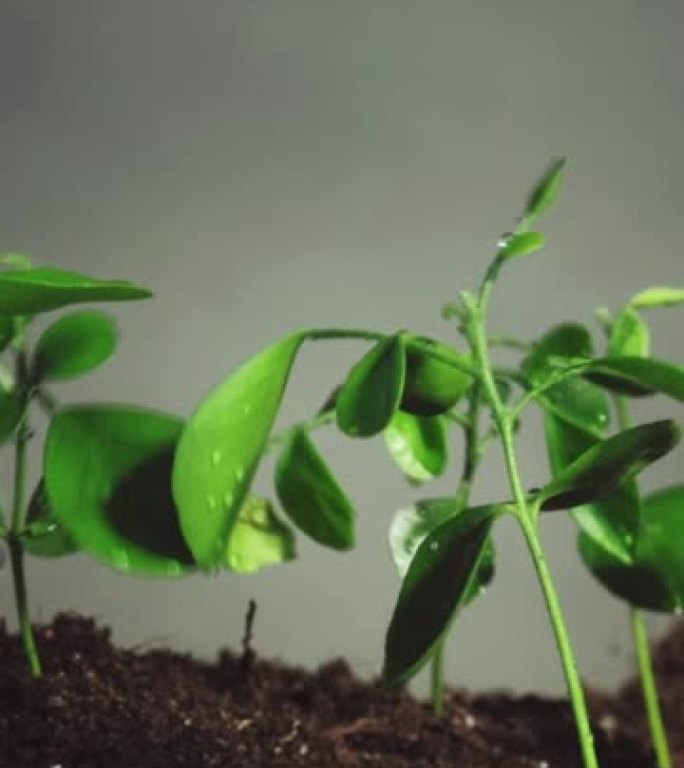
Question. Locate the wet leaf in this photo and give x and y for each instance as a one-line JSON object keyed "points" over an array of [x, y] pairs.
{"points": [[432, 386], [608, 464], [222, 445], [30, 291], [259, 538], [75, 344], [545, 190], [513, 246], [44, 536], [311, 496], [637, 376], [629, 335], [372, 391], [654, 579], [418, 445], [438, 580], [657, 297], [107, 473]]}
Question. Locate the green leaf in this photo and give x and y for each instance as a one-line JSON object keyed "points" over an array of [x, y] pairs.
{"points": [[637, 375], [311, 496], [372, 391], [613, 520], [513, 246], [575, 400], [433, 386], [15, 261], [107, 473], [654, 579], [44, 536], [11, 411], [608, 464], [657, 297], [221, 446], [436, 585], [545, 191], [7, 331], [418, 444], [259, 538], [31, 291], [629, 335], [74, 344]]}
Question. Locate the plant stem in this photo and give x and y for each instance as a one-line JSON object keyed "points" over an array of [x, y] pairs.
{"points": [[650, 690], [19, 520], [527, 515], [642, 647], [437, 679]]}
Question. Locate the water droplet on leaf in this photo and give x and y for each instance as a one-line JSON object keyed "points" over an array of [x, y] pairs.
{"points": [[216, 457]]}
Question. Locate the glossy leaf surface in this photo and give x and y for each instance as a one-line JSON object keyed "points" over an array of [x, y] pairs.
{"points": [[259, 538], [75, 344], [418, 445], [45, 537], [433, 386], [523, 244], [436, 585], [608, 464], [221, 446], [638, 375], [545, 191], [575, 400], [654, 579], [630, 335], [311, 496], [30, 291], [612, 520], [372, 391], [657, 297], [107, 473]]}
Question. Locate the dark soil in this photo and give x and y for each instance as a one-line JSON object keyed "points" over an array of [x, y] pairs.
{"points": [[101, 707]]}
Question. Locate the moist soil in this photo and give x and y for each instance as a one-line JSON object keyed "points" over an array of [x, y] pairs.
{"points": [[100, 707]]}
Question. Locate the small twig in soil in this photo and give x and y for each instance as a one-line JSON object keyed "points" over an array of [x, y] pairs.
{"points": [[248, 654]]}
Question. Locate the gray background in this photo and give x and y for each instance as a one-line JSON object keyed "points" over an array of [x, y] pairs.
{"points": [[269, 165]]}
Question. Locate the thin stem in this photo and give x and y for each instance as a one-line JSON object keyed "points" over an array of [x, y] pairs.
{"points": [[310, 425], [19, 519], [510, 342], [526, 515], [437, 678], [650, 690]]}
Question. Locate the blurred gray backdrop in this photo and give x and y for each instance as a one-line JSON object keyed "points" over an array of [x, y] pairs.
{"points": [[266, 165]]}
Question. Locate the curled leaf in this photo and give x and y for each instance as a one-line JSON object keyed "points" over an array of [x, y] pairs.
{"points": [[418, 445]]}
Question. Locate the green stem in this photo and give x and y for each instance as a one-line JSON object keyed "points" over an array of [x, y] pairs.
{"points": [[650, 690], [437, 679], [19, 521], [321, 420], [527, 516]]}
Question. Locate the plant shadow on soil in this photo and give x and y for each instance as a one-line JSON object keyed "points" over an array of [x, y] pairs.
{"points": [[99, 707]]}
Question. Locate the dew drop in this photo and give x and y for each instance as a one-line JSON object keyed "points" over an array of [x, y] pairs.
{"points": [[211, 503], [248, 409], [504, 240], [216, 457], [434, 546], [228, 500], [240, 474]]}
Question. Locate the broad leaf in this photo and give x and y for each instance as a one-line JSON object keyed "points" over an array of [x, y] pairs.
{"points": [[418, 444], [432, 385], [629, 335], [438, 581], [372, 391], [11, 411], [30, 291], [259, 538], [74, 344], [221, 446], [656, 297], [44, 536], [545, 191], [7, 331], [654, 579], [311, 496], [513, 246], [613, 520], [609, 464], [107, 474], [575, 400], [638, 376]]}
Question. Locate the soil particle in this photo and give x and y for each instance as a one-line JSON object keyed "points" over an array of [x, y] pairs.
{"points": [[99, 707]]}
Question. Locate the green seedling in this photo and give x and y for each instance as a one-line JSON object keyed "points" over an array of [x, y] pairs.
{"points": [[413, 391], [99, 491], [630, 542]]}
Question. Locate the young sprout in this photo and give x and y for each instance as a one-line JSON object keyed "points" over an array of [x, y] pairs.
{"points": [[412, 390], [632, 544]]}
